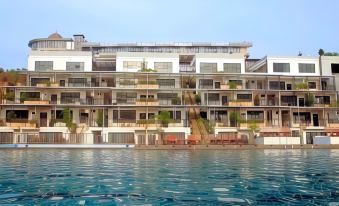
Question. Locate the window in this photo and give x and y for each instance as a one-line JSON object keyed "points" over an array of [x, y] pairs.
{"points": [[75, 66], [163, 67], [127, 82], [26, 96], [255, 115], [77, 82], [70, 97], [335, 68], [126, 97], [206, 83], [166, 83], [142, 116], [247, 97], [281, 67], [35, 81], [167, 95], [134, 65], [306, 68], [312, 85], [276, 85], [208, 67], [232, 67], [127, 114], [43, 66], [237, 82]]}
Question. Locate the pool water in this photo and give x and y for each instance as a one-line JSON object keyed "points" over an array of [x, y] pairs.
{"points": [[168, 177]]}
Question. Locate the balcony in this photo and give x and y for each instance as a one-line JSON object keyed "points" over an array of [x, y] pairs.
{"points": [[230, 86], [35, 101], [147, 102], [240, 103], [187, 68], [21, 123], [247, 123], [147, 85]]}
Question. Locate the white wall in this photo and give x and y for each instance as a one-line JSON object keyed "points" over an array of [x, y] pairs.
{"points": [[59, 59], [326, 140], [294, 67], [277, 140], [220, 62], [150, 58]]}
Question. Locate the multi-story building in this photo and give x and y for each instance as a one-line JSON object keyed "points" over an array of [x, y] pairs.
{"points": [[76, 91]]}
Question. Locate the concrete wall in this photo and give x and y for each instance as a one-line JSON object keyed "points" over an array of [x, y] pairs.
{"points": [[59, 59], [277, 140], [325, 140], [293, 61]]}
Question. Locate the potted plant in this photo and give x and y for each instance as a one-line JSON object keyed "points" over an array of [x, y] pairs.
{"points": [[176, 101], [10, 116], [23, 97], [164, 118], [232, 85], [197, 98], [10, 96]]}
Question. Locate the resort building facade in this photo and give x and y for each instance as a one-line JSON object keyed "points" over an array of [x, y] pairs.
{"points": [[80, 92]]}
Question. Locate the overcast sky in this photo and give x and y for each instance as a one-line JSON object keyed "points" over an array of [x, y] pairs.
{"points": [[273, 26]]}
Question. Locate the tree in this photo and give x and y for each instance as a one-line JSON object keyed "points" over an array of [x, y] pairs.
{"points": [[1, 70], [99, 119], [68, 120], [321, 52], [253, 129], [164, 118]]}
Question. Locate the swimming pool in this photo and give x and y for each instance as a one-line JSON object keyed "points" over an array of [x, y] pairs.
{"points": [[168, 177]]}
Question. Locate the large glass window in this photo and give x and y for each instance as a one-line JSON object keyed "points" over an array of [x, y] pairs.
{"points": [[166, 83], [77, 82], [232, 67], [306, 68], [281, 67], [208, 67], [255, 115], [126, 97], [75, 66], [35, 81], [134, 65], [70, 97], [43, 66], [163, 67], [244, 97], [206, 83]]}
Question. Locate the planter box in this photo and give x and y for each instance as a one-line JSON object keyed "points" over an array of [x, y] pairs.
{"points": [[54, 85], [41, 85], [245, 125], [37, 102], [143, 103], [240, 104], [20, 125], [148, 86], [226, 86]]}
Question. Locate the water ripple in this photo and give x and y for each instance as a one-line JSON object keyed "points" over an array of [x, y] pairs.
{"points": [[131, 177]]}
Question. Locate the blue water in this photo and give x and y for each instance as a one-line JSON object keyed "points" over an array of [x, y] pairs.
{"points": [[130, 177]]}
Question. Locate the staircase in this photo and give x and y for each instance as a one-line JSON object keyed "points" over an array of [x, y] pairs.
{"points": [[197, 127]]}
